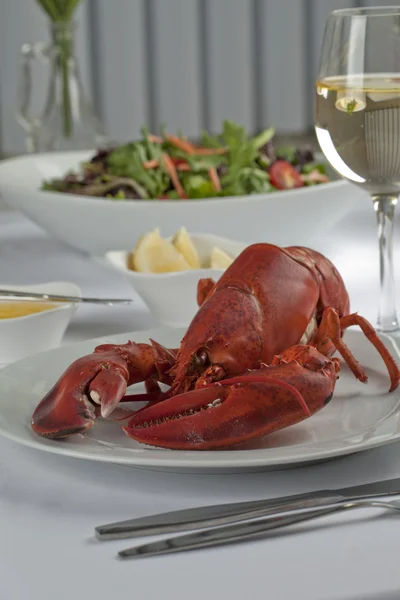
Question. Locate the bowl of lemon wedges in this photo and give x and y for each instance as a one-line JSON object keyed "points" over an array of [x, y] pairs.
{"points": [[165, 271]]}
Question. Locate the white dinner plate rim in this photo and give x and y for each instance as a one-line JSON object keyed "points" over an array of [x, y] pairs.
{"points": [[228, 460]]}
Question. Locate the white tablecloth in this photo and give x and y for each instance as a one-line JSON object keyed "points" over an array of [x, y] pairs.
{"points": [[50, 504]]}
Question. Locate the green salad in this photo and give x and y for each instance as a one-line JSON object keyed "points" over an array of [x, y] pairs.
{"points": [[169, 167]]}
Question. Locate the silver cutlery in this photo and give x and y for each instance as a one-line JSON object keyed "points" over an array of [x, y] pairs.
{"points": [[240, 532], [223, 514], [14, 294]]}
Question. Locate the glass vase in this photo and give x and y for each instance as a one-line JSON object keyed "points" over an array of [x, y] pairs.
{"points": [[67, 121]]}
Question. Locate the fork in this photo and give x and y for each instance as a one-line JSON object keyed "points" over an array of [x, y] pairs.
{"points": [[250, 530]]}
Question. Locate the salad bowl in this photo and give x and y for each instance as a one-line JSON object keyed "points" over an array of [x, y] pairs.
{"points": [[96, 224]]}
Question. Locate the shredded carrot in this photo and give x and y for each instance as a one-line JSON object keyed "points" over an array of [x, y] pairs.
{"points": [[184, 167], [151, 164], [181, 144], [215, 179], [210, 151], [186, 146], [156, 139], [169, 165], [154, 163]]}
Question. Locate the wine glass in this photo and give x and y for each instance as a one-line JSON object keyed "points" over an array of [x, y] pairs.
{"points": [[357, 120]]}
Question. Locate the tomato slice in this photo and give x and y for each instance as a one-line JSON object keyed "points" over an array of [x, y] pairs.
{"points": [[178, 161], [284, 176]]}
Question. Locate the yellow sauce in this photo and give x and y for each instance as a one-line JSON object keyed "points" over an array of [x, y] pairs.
{"points": [[16, 308]]}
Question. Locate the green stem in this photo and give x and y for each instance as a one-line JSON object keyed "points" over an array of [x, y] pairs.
{"points": [[71, 8], [49, 8], [64, 58], [61, 12]]}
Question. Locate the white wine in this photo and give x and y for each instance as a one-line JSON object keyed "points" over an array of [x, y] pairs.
{"points": [[357, 122]]}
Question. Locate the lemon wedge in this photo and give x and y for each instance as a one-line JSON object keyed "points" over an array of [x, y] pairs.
{"points": [[220, 259], [183, 243], [153, 254]]}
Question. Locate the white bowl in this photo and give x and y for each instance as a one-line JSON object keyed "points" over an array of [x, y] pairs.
{"points": [[171, 297], [22, 336], [96, 225]]}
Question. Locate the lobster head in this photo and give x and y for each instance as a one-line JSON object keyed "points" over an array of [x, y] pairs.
{"points": [[222, 340]]}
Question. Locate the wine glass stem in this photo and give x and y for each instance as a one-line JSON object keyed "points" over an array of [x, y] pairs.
{"points": [[384, 206]]}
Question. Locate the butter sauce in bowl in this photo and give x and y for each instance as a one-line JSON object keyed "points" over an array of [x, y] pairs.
{"points": [[30, 326], [13, 309]]}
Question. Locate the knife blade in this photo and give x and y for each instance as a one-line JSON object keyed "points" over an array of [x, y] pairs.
{"points": [[223, 514]]}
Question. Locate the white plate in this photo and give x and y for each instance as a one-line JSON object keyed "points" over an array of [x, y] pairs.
{"points": [[359, 417], [97, 225]]}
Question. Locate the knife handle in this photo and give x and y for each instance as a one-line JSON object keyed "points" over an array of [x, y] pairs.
{"points": [[213, 516], [226, 535]]}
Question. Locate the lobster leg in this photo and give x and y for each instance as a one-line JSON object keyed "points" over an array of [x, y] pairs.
{"points": [[371, 335], [165, 360], [330, 332], [240, 408], [204, 287]]}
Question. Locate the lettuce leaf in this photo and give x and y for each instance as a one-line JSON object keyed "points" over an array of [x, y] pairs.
{"points": [[198, 186], [127, 161], [244, 176]]}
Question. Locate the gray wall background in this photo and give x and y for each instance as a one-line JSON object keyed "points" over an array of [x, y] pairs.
{"points": [[186, 63]]}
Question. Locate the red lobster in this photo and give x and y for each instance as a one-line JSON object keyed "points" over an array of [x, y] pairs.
{"points": [[256, 358]]}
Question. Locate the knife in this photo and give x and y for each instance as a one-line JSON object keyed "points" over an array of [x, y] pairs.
{"points": [[223, 514], [34, 296], [250, 530]]}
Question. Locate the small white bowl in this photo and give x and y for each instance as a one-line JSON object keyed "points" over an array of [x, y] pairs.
{"points": [[172, 296], [22, 336]]}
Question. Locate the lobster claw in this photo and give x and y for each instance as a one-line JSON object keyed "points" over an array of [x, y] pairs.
{"points": [[235, 410], [92, 385]]}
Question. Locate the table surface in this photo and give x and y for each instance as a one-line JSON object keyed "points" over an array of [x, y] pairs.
{"points": [[49, 504]]}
